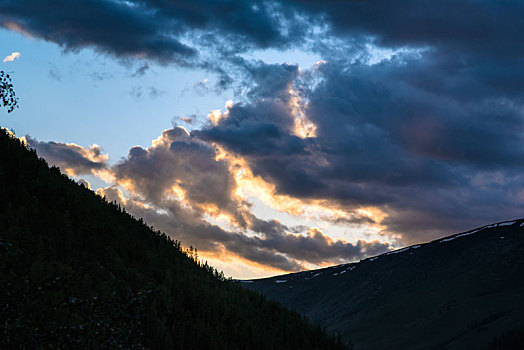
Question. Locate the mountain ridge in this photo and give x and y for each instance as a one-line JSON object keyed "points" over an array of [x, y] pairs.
{"points": [[412, 296]]}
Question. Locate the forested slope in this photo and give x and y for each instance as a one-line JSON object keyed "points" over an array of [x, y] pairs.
{"points": [[78, 272]]}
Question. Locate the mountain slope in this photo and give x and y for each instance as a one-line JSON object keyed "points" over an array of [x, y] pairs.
{"points": [[78, 272], [459, 292]]}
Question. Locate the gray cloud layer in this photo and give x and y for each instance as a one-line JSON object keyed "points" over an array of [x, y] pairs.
{"points": [[168, 31], [163, 31], [432, 135], [403, 135]]}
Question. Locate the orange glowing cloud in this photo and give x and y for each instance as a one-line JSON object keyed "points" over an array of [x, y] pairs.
{"points": [[235, 265], [302, 127], [216, 115], [252, 186]]}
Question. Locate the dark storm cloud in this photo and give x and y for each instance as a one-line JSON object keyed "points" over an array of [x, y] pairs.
{"points": [[70, 157], [170, 31], [431, 135], [110, 26], [153, 29], [472, 25], [398, 105], [418, 135], [263, 126], [270, 80]]}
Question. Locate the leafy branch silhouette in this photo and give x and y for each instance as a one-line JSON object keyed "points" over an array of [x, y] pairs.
{"points": [[7, 93]]}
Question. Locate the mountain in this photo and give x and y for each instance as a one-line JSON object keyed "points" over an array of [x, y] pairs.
{"points": [[77, 272], [464, 291]]}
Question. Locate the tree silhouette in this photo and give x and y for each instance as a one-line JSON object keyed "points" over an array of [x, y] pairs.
{"points": [[7, 93], [78, 272]]}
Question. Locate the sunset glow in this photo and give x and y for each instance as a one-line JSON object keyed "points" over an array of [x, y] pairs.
{"points": [[278, 136]]}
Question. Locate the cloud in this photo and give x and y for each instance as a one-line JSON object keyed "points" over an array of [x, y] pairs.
{"points": [[151, 29], [185, 167], [175, 31], [187, 181], [189, 120], [12, 57], [211, 35], [276, 248], [154, 92], [54, 72], [189, 189], [137, 92], [413, 117], [100, 76], [71, 26], [141, 70], [71, 158], [410, 136], [470, 27]]}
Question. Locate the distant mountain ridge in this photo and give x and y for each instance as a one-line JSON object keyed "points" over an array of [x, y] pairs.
{"points": [[457, 292]]}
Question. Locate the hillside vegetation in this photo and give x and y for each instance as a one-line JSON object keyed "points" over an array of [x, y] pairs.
{"points": [[79, 272]]}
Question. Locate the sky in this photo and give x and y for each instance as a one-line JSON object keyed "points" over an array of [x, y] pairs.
{"points": [[278, 136]]}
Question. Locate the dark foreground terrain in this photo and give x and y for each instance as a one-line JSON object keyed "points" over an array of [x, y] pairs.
{"points": [[462, 292], [77, 272]]}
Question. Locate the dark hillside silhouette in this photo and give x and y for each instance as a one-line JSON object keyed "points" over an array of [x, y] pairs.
{"points": [[79, 272], [464, 291]]}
